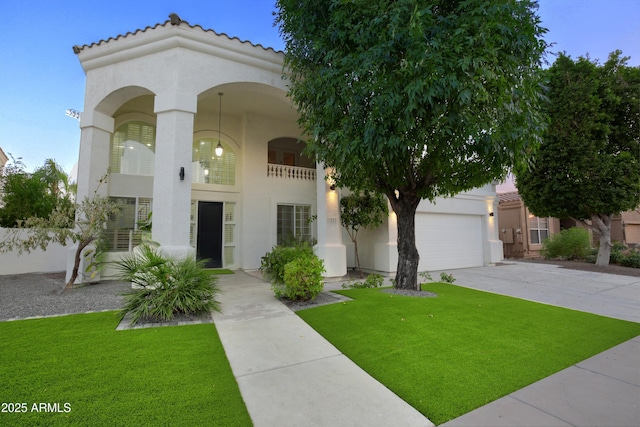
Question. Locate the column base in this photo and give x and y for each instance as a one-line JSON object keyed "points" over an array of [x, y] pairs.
{"points": [[334, 257], [178, 252]]}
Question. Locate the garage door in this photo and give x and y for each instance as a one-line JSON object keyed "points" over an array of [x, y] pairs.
{"points": [[449, 241]]}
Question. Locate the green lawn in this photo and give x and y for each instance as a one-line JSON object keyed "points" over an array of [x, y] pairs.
{"points": [[449, 355], [159, 376]]}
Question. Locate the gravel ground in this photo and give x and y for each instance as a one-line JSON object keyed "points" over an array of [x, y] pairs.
{"points": [[40, 294]]}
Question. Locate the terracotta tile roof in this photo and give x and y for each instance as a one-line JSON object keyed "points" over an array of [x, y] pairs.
{"points": [[174, 19], [511, 196]]}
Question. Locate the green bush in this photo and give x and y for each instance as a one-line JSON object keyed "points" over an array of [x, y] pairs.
{"points": [[631, 260], [165, 287], [616, 256], [447, 278], [572, 243], [618, 247], [273, 263], [303, 278], [372, 281]]}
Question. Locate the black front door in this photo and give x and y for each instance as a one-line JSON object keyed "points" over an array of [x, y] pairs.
{"points": [[210, 233]]}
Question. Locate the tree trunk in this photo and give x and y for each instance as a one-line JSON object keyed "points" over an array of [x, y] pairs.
{"points": [[405, 206], [355, 248], [602, 225], [76, 264]]}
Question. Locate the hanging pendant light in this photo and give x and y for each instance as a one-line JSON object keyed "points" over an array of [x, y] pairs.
{"points": [[219, 149]]}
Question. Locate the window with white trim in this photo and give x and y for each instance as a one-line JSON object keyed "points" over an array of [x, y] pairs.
{"points": [[538, 229], [122, 232], [207, 168], [133, 147], [293, 223]]}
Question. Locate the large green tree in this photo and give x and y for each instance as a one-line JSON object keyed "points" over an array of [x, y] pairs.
{"points": [[36, 194], [588, 166], [415, 99]]}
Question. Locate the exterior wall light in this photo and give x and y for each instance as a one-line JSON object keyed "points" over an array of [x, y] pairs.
{"points": [[181, 174]]}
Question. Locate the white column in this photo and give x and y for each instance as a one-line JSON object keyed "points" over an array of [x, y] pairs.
{"points": [[329, 248], [95, 151], [93, 164], [386, 252], [495, 247], [171, 194]]}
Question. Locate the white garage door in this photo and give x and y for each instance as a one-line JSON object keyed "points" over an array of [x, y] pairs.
{"points": [[447, 241]]}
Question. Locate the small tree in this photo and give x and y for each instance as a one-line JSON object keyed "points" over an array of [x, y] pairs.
{"points": [[361, 211], [89, 225]]}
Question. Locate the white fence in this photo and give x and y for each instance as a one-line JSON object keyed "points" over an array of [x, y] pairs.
{"points": [[52, 260]]}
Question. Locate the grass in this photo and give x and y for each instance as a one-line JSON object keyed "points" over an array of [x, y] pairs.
{"points": [[216, 271], [448, 355], [158, 376]]}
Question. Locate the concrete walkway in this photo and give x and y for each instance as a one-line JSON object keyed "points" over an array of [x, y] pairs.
{"points": [[290, 376]]}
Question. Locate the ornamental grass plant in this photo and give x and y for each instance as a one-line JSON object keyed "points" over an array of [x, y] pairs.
{"points": [[164, 287]]}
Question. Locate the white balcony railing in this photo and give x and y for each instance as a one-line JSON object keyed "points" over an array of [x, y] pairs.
{"points": [[291, 172]]}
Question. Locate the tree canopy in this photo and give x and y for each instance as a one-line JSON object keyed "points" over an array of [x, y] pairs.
{"points": [[415, 99], [36, 194], [588, 166]]}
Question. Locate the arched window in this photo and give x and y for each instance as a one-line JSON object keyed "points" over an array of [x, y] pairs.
{"points": [[133, 147], [207, 168]]}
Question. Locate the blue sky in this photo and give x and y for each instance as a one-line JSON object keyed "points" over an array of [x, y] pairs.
{"points": [[41, 77]]}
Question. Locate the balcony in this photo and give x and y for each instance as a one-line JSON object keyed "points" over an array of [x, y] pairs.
{"points": [[291, 172]]}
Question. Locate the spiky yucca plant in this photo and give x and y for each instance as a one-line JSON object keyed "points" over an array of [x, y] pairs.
{"points": [[165, 287]]}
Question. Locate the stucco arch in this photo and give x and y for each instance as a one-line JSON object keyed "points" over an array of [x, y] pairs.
{"points": [[117, 98]]}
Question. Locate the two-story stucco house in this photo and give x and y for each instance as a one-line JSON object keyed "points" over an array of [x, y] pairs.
{"points": [[161, 102]]}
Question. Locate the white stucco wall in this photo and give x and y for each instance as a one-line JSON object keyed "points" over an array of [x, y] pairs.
{"points": [[54, 259], [378, 248]]}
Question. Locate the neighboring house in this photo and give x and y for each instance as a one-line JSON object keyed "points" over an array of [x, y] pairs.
{"points": [[522, 233], [626, 228], [3, 159], [153, 117]]}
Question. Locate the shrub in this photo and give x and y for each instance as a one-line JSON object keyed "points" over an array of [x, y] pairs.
{"points": [[372, 281], [616, 256], [444, 277], [166, 287], [447, 278], [631, 260], [572, 243], [426, 276], [273, 263], [303, 278]]}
